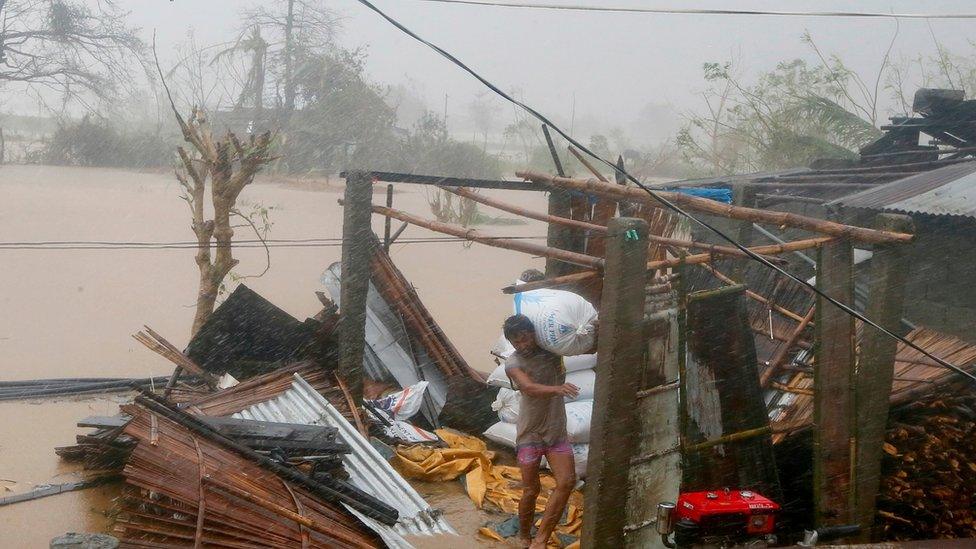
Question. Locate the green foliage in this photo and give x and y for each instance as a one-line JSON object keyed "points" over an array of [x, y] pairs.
{"points": [[88, 142], [791, 116]]}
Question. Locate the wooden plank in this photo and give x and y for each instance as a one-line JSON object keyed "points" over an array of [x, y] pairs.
{"points": [[55, 489], [234, 427], [833, 387], [105, 422]]}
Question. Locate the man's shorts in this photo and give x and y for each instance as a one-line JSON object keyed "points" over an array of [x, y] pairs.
{"points": [[531, 454]]}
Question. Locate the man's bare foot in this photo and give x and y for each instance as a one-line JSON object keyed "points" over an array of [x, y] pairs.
{"points": [[524, 543], [536, 544]]}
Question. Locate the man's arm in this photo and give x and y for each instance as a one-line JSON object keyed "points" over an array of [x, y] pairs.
{"points": [[529, 387]]}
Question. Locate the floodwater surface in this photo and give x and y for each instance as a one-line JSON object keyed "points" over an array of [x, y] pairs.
{"points": [[70, 313]]}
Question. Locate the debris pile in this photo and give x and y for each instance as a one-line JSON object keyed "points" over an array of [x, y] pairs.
{"points": [[929, 481], [195, 485], [284, 457]]}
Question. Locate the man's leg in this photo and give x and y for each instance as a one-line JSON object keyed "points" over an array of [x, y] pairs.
{"points": [[529, 465], [563, 468]]}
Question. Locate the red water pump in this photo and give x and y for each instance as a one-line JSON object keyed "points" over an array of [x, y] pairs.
{"points": [[720, 518]]}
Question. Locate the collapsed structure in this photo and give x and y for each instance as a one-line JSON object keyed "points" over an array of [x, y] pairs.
{"points": [[712, 372]]}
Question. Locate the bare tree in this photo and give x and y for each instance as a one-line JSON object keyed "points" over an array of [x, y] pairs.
{"points": [[228, 165], [70, 47], [297, 31]]}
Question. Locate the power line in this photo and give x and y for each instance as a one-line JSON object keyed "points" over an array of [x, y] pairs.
{"points": [[665, 202], [701, 11], [192, 245]]}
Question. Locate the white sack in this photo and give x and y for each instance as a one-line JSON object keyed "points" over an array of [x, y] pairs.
{"points": [[580, 453], [586, 381], [502, 348], [498, 378], [502, 433], [405, 404], [507, 405], [563, 320], [578, 416], [579, 362]]}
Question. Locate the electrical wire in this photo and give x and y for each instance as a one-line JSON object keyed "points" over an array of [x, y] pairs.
{"points": [[192, 245], [665, 202], [701, 11]]}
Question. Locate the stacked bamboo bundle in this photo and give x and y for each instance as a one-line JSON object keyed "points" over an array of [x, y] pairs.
{"points": [[190, 491], [928, 487]]}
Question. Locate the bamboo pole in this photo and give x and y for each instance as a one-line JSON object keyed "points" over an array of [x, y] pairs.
{"points": [[268, 505], [668, 263], [603, 211], [711, 207], [784, 351], [517, 210], [753, 295], [506, 243]]}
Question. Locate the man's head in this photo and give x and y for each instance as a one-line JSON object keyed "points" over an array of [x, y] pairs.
{"points": [[520, 332], [532, 275]]}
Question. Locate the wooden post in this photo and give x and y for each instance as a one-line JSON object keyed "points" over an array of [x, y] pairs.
{"points": [[614, 422], [560, 204], [889, 271], [833, 407], [745, 197], [387, 224], [656, 475], [356, 230]]}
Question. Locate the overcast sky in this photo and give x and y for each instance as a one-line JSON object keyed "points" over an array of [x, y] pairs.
{"points": [[612, 63]]}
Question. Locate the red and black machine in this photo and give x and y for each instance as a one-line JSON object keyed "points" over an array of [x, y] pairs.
{"points": [[718, 518]]}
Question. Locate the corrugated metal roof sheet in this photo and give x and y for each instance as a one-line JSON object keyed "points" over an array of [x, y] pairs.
{"points": [[368, 470], [946, 191]]}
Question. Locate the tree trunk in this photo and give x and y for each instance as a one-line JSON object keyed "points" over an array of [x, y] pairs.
{"points": [[290, 91]]}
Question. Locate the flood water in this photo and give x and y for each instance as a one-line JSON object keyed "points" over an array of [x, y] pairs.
{"points": [[70, 313]]}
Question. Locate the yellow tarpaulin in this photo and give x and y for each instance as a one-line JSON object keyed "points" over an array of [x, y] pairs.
{"points": [[499, 485]]}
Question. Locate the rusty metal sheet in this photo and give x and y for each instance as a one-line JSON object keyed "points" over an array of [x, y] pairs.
{"points": [[946, 191], [368, 470]]}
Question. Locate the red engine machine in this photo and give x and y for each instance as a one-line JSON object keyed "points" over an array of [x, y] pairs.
{"points": [[720, 518]]}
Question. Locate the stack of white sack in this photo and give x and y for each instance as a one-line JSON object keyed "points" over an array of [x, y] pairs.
{"points": [[564, 325], [579, 410]]}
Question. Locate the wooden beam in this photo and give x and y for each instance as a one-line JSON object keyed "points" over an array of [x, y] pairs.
{"points": [[890, 266], [416, 179], [783, 353], [506, 243], [612, 440], [711, 207], [833, 406], [587, 226], [577, 278]]}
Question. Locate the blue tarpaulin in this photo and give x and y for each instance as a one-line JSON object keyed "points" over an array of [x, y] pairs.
{"points": [[718, 194]]}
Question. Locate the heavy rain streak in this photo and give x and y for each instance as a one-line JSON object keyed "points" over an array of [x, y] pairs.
{"points": [[487, 273]]}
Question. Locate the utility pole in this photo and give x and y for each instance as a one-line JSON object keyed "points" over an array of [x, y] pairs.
{"points": [[621, 348], [354, 280], [833, 387], [890, 265]]}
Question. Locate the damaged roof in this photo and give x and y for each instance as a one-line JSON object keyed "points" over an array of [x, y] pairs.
{"points": [[368, 470], [947, 191]]}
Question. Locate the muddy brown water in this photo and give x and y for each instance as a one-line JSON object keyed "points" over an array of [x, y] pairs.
{"points": [[70, 313]]}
